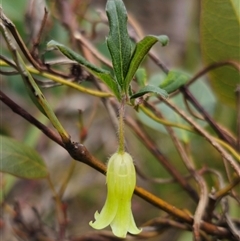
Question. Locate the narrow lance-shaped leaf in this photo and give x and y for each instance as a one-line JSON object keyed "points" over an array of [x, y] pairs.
{"points": [[150, 89], [140, 51], [40, 100], [118, 41], [174, 80], [100, 73], [21, 160]]}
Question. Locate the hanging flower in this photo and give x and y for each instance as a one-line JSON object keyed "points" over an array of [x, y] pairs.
{"points": [[116, 212]]}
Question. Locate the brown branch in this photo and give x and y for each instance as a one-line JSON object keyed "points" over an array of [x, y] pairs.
{"points": [[213, 66], [37, 40], [150, 144], [207, 136], [79, 152], [187, 94], [203, 199], [11, 27], [20, 111]]}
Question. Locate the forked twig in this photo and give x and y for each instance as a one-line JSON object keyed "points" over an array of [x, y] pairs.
{"points": [[205, 134]]}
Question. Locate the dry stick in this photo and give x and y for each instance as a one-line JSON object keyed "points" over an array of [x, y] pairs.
{"points": [[20, 111], [221, 196], [9, 24], [150, 144], [9, 73], [192, 111], [11, 27], [204, 133], [158, 225], [203, 200], [37, 41], [81, 154], [8, 61], [224, 191], [187, 94]]}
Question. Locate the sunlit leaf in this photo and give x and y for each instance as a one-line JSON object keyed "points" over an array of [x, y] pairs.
{"points": [[140, 51], [150, 89], [118, 41], [201, 92], [220, 40], [174, 80], [21, 160]]}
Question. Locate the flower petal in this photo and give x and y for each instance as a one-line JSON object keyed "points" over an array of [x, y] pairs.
{"points": [[125, 183], [107, 214], [110, 207], [133, 229], [121, 221], [121, 181]]}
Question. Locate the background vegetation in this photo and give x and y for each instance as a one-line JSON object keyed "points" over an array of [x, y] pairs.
{"points": [[60, 198]]}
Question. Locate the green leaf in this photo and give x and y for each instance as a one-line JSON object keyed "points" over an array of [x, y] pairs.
{"points": [[150, 89], [174, 80], [118, 41], [39, 99], [21, 160], [141, 77], [220, 40], [32, 93], [140, 51], [202, 93], [100, 73]]}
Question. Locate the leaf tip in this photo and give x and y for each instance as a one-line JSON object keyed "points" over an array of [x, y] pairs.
{"points": [[164, 40]]}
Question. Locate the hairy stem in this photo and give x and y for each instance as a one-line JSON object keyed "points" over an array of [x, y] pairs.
{"points": [[121, 139]]}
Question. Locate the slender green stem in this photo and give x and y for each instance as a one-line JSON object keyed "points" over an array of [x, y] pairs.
{"points": [[121, 139]]}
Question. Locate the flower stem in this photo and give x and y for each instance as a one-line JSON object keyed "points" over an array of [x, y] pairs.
{"points": [[121, 139]]}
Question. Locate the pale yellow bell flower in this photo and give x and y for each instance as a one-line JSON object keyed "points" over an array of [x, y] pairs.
{"points": [[117, 212]]}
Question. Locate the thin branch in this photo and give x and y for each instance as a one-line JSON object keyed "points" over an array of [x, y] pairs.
{"points": [[79, 152], [11, 27], [213, 66], [208, 137], [150, 144], [187, 94], [37, 41], [203, 199], [7, 61], [224, 191], [20, 111]]}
